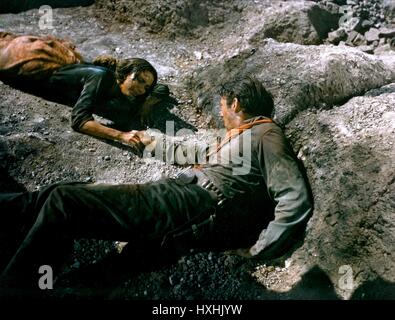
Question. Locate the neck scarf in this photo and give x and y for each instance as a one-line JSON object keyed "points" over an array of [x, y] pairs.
{"points": [[232, 133]]}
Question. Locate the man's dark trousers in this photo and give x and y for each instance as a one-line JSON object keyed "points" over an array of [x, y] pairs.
{"points": [[44, 223]]}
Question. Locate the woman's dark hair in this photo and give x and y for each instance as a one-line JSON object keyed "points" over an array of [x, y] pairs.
{"points": [[123, 67], [253, 97]]}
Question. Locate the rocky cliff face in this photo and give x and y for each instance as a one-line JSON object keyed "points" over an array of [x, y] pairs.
{"points": [[335, 101]]}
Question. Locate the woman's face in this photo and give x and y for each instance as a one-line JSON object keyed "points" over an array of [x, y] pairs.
{"points": [[136, 84]]}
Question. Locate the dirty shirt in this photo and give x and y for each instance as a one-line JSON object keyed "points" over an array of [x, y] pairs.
{"points": [[258, 162]]}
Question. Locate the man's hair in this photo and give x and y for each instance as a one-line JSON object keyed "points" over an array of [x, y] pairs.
{"points": [[253, 97]]}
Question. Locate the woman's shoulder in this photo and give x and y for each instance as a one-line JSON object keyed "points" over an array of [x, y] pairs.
{"points": [[87, 67], [87, 72]]}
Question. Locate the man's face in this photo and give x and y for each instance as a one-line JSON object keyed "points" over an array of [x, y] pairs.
{"points": [[227, 113]]}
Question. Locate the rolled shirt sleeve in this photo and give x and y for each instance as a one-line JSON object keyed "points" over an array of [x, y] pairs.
{"points": [[288, 189], [175, 150]]}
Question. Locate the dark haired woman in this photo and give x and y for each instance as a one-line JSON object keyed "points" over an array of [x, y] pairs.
{"points": [[119, 90]]}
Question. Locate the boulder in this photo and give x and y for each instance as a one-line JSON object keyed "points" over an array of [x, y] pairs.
{"points": [[372, 35], [351, 37], [303, 22], [353, 24], [366, 24], [299, 77], [348, 153], [358, 40], [336, 36], [387, 32], [367, 49], [386, 48]]}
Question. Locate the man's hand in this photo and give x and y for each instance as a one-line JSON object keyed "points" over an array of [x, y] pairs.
{"points": [[130, 138], [96, 129], [138, 140], [144, 137]]}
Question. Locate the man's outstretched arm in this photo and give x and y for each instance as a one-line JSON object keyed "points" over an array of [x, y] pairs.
{"points": [[174, 150]]}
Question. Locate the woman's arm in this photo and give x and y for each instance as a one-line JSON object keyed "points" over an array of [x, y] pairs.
{"points": [[94, 128], [95, 85]]}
